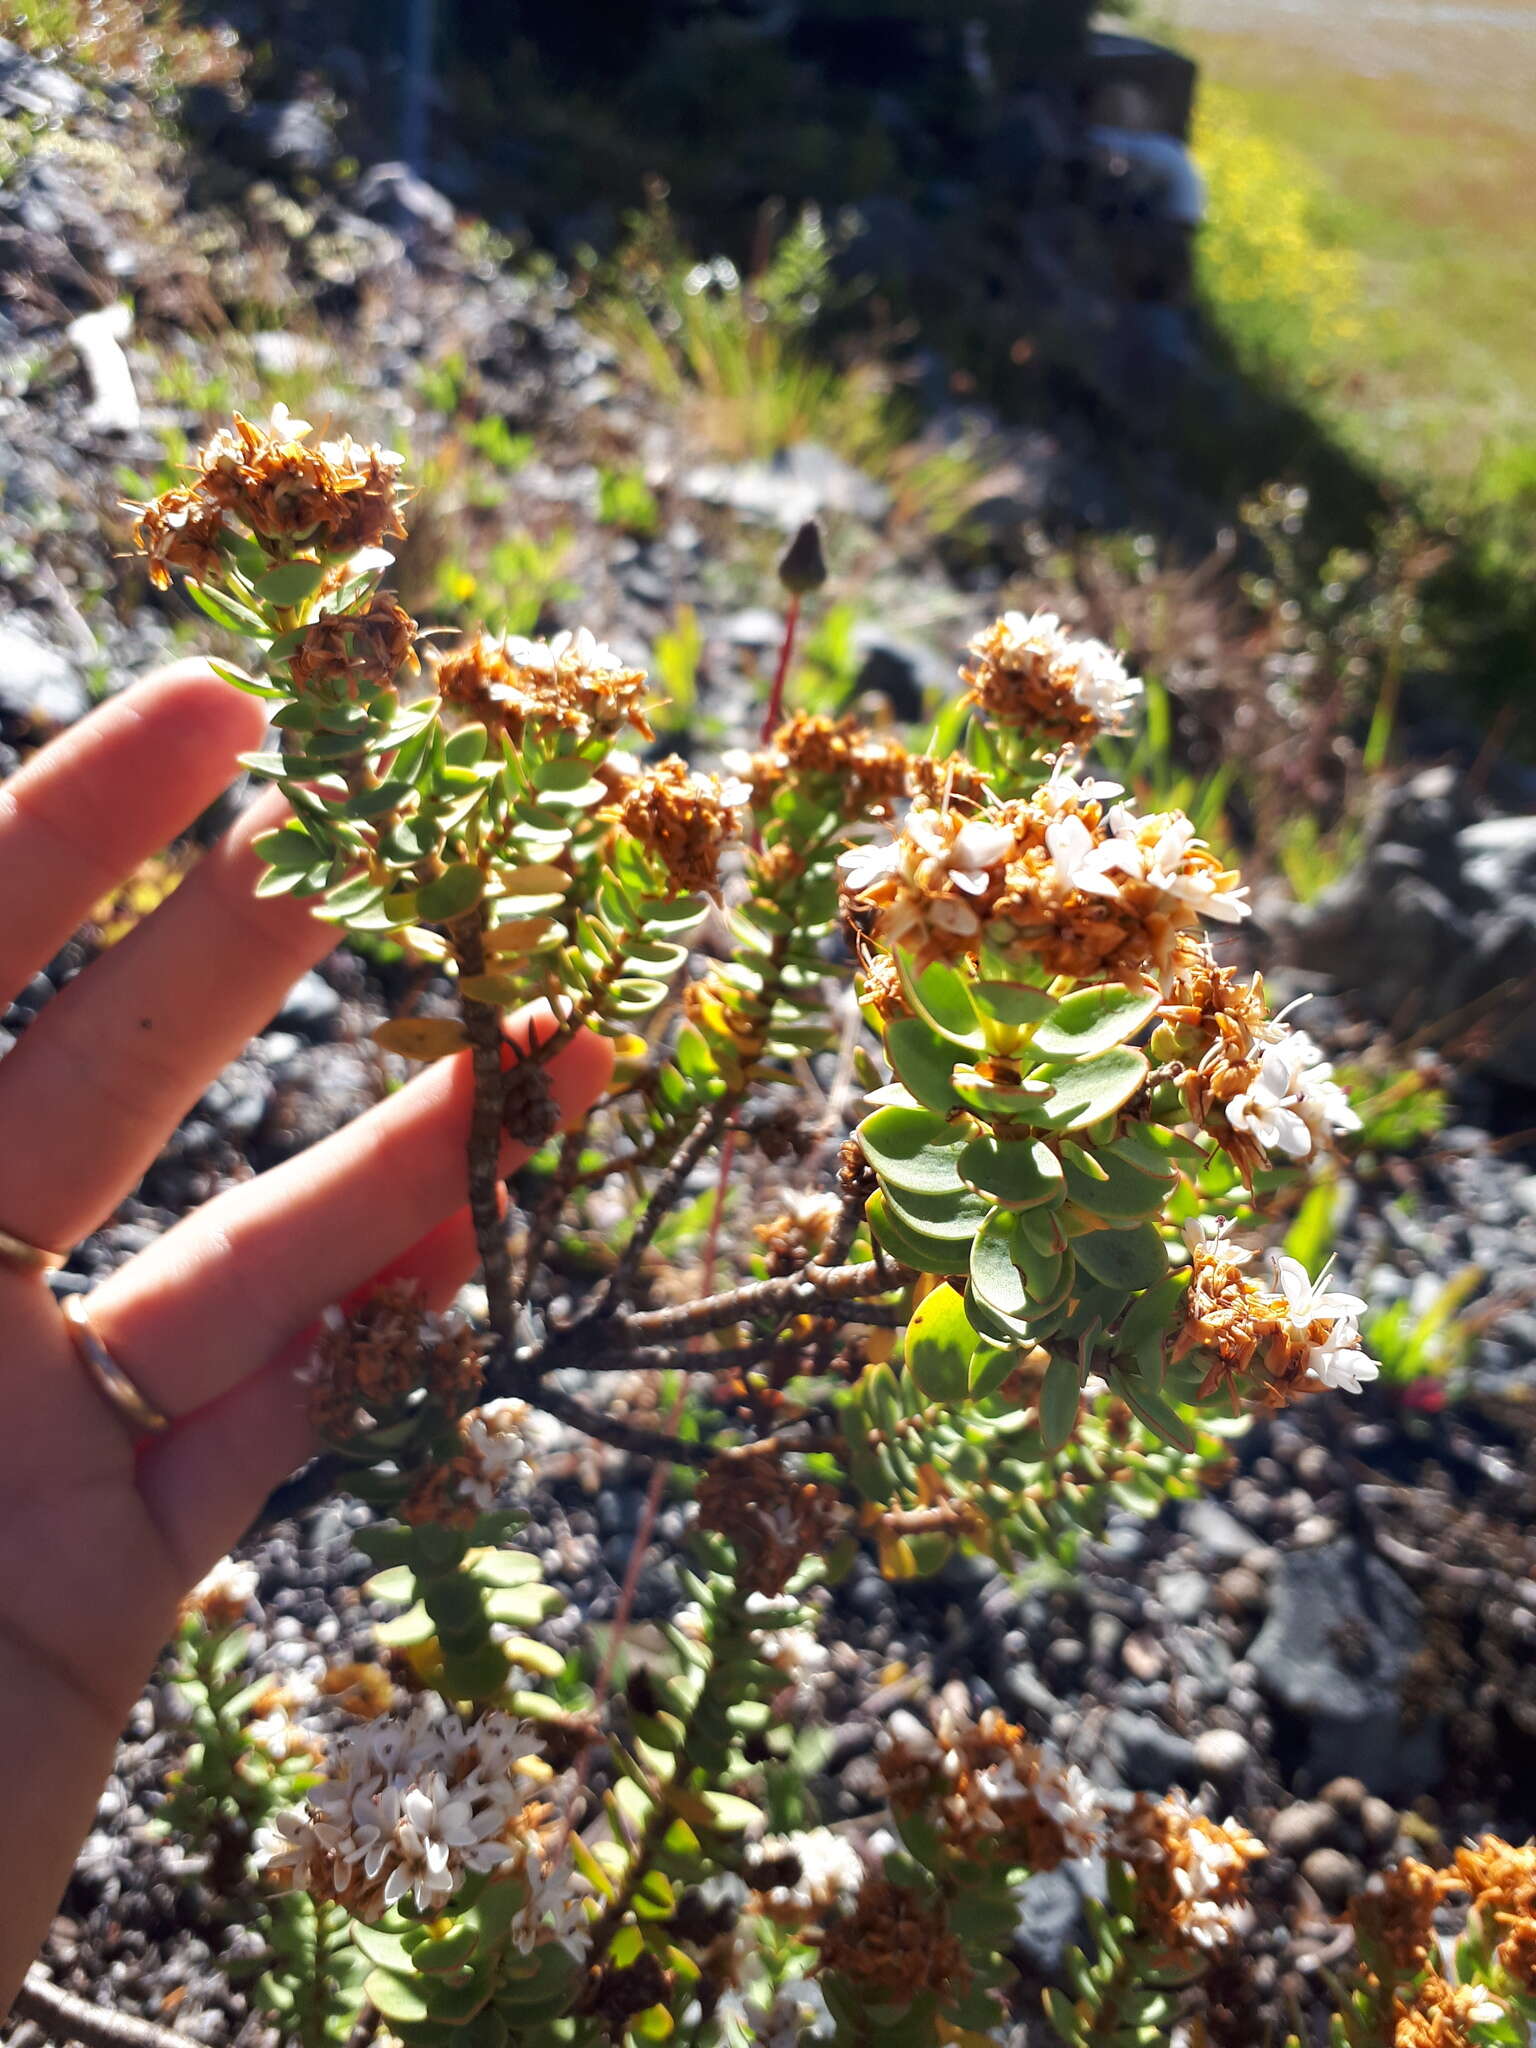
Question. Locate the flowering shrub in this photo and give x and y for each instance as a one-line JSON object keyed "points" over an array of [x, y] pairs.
{"points": [[1014, 1298]]}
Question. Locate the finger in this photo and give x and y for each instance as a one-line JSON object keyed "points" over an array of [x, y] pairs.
{"points": [[230, 1286], [90, 1092], [86, 810], [205, 1483]]}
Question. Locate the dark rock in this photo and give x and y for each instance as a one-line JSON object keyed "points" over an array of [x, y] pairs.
{"points": [[1296, 1831], [1219, 1533], [1335, 1877], [1338, 1653], [903, 672], [1147, 1756], [1051, 1919]]}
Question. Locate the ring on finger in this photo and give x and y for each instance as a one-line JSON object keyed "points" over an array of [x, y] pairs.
{"points": [[107, 1376], [22, 1256]]}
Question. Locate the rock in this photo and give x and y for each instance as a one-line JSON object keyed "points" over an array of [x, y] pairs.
{"points": [[1338, 1652], [1439, 915], [1345, 1795], [903, 672], [310, 1008], [1184, 1594], [36, 680], [1051, 1919], [1219, 1533], [394, 196], [98, 338], [1335, 1877], [1223, 1755], [1147, 1756], [291, 137], [801, 482], [1296, 1831], [1378, 1825], [29, 86]]}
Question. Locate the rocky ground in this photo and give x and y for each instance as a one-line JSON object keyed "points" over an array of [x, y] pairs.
{"points": [[1339, 1638]]}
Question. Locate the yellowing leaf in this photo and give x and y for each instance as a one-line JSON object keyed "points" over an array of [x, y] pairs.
{"points": [[421, 1038], [519, 935]]}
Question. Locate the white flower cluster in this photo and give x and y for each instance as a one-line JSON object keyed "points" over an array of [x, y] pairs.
{"points": [[1093, 674], [1293, 1103], [1071, 1799], [410, 1807], [1153, 851], [579, 653], [1207, 1873], [494, 1453], [1302, 1303], [831, 1868], [226, 1590], [805, 1663]]}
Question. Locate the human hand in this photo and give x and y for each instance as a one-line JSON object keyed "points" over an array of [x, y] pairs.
{"points": [[101, 1536]]}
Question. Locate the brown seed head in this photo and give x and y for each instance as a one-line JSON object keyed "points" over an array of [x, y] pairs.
{"points": [[895, 1944], [772, 1520], [685, 820]]}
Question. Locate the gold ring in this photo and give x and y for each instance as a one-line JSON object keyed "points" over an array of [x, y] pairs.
{"points": [[25, 1257], [108, 1377]]}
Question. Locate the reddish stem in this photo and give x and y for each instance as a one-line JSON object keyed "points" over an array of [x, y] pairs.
{"points": [[775, 712]]}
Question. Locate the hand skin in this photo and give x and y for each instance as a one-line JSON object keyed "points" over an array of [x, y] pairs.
{"points": [[100, 1537]]}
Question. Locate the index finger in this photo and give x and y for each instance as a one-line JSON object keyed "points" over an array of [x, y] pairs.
{"points": [[114, 789]]}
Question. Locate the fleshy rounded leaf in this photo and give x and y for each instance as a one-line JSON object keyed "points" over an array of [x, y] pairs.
{"points": [[913, 1148], [1060, 1396], [1123, 1259], [421, 1038], [1091, 1020], [1092, 1089], [1019, 1172], [939, 1345]]}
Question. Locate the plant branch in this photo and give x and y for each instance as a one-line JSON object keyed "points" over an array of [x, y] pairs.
{"points": [[482, 1027], [663, 1196], [64, 2017]]}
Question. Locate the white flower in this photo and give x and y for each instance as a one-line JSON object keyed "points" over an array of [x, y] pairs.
{"points": [[228, 1588], [1073, 1801], [1268, 1110], [407, 1809], [1307, 1301], [1077, 862], [554, 1910], [1214, 1234], [862, 866], [805, 1663], [1064, 790], [782, 2024], [496, 1452], [1339, 1362], [579, 650], [1101, 685], [831, 1868], [1163, 865]]}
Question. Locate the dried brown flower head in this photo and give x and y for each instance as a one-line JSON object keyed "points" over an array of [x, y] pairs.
{"points": [[1502, 1881], [369, 647], [1191, 1873], [336, 495], [1030, 675], [1442, 2015], [1395, 1915], [895, 1944], [799, 1230], [685, 819], [772, 1520], [993, 1795], [363, 1690], [1085, 891], [181, 529], [370, 1359], [870, 771], [1266, 1345], [572, 684]]}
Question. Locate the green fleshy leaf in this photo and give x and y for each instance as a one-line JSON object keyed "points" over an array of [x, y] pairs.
{"points": [[940, 1342], [1123, 1259], [568, 784], [958, 1216], [1014, 1004], [990, 1366], [290, 583], [913, 1148], [1092, 1089], [1118, 1192], [994, 1274], [457, 889], [225, 611], [1091, 1020], [925, 1254], [942, 997], [1148, 1406], [1018, 1172], [923, 1062], [1060, 1396]]}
